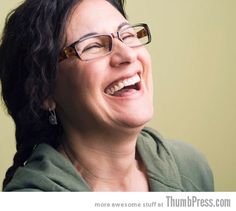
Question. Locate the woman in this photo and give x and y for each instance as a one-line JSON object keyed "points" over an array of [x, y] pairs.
{"points": [[77, 80]]}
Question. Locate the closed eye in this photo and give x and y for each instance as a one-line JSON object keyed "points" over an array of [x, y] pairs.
{"points": [[128, 35], [93, 46]]}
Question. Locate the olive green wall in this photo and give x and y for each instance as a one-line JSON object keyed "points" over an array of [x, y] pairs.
{"points": [[194, 53]]}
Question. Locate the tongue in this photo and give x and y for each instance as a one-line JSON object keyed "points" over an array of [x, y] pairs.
{"points": [[125, 91]]}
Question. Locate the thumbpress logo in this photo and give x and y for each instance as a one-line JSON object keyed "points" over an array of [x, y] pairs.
{"points": [[193, 201]]}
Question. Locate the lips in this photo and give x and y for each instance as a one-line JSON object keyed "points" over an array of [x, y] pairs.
{"points": [[123, 86]]}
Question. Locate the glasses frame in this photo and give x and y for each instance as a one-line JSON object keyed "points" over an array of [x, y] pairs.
{"points": [[70, 51]]}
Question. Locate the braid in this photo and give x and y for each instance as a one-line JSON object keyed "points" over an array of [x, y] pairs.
{"points": [[31, 42], [20, 157], [31, 131]]}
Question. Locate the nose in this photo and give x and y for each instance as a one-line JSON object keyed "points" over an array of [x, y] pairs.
{"points": [[122, 54]]}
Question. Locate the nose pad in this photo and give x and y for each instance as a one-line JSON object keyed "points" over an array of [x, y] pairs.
{"points": [[121, 53]]}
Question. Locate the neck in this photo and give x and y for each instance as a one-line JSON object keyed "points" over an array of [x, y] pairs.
{"points": [[106, 163]]}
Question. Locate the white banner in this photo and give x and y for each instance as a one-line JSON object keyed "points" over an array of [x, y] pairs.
{"points": [[107, 201]]}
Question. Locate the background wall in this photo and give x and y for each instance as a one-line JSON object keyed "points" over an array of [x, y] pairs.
{"points": [[194, 53]]}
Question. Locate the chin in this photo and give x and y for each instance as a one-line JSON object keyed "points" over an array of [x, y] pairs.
{"points": [[137, 120]]}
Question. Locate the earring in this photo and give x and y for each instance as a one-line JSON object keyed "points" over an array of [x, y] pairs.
{"points": [[52, 117]]}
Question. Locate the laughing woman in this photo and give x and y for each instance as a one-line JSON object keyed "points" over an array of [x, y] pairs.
{"points": [[77, 80]]}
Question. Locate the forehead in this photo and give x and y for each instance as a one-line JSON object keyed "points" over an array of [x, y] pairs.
{"points": [[88, 16]]}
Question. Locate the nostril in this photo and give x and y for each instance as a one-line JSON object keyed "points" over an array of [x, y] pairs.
{"points": [[122, 54]]}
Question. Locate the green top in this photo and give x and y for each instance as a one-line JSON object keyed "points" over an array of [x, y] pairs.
{"points": [[170, 165]]}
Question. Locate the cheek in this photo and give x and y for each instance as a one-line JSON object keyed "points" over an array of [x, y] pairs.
{"points": [[75, 79], [67, 82], [90, 77], [145, 59], [67, 77]]}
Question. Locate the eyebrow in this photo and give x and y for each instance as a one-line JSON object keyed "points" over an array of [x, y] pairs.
{"points": [[87, 35], [122, 25], [95, 33]]}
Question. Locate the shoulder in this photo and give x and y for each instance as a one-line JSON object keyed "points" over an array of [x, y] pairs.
{"points": [[46, 170], [193, 166], [36, 173], [194, 171]]}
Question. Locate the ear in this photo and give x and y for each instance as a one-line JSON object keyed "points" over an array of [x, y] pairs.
{"points": [[49, 104]]}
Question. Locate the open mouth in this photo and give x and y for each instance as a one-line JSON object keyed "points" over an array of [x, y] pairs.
{"points": [[124, 86]]}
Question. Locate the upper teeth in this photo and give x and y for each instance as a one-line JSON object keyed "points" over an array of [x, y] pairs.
{"points": [[122, 83]]}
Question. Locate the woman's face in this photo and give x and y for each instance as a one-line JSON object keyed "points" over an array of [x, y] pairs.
{"points": [[81, 94]]}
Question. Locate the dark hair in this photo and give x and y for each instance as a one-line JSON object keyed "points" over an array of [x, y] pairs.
{"points": [[31, 43]]}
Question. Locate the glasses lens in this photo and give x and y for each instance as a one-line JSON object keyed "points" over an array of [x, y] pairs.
{"points": [[94, 47], [134, 36]]}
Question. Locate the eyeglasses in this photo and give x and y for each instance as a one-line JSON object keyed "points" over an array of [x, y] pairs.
{"points": [[99, 45]]}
